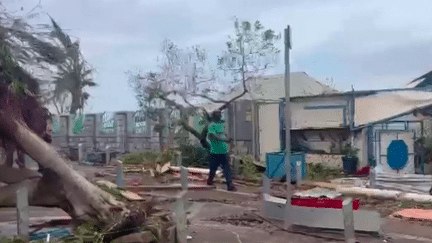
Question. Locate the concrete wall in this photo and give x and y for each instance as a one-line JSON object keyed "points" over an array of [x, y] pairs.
{"points": [[126, 133]]}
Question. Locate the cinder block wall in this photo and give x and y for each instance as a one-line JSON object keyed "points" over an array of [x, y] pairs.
{"points": [[124, 135]]}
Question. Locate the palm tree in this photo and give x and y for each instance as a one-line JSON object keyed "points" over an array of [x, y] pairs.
{"points": [[74, 74]]}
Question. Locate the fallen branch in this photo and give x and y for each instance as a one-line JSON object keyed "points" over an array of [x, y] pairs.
{"points": [[384, 194]]}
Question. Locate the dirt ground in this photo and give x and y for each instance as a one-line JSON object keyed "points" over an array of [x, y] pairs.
{"points": [[221, 216]]}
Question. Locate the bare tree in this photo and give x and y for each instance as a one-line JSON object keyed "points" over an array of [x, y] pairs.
{"points": [[185, 79]]}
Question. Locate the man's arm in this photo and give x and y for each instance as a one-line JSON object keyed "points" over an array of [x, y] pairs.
{"points": [[218, 137]]}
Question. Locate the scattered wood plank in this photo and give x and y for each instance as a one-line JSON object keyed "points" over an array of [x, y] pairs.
{"points": [[165, 167], [131, 196], [194, 170], [127, 194]]}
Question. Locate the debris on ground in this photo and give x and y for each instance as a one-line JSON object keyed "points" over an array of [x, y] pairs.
{"points": [[165, 168], [414, 214], [194, 170], [158, 169], [415, 183], [109, 184], [247, 219], [100, 174], [318, 192]]}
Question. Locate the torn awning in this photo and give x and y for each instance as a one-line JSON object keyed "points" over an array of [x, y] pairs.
{"points": [[388, 105]]}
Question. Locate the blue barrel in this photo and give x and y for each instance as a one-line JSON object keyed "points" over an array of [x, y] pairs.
{"points": [[276, 169]]}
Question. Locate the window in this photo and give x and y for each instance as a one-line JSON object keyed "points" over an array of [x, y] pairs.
{"points": [[248, 116]]}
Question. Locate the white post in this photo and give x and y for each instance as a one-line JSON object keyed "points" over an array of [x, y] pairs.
{"points": [[181, 217], [348, 220], [372, 179], [119, 173], [287, 122], [266, 186], [178, 158], [181, 220], [298, 173], [23, 213], [80, 152], [107, 155], [184, 178]]}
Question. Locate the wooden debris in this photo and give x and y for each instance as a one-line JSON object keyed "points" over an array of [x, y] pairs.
{"points": [[384, 194], [109, 184], [152, 172], [131, 196], [165, 167], [194, 170], [127, 194], [158, 168]]}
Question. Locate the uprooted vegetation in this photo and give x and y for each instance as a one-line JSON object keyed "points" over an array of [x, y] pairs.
{"points": [[192, 156], [321, 172]]}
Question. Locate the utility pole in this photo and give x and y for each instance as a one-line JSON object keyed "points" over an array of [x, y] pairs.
{"points": [[287, 122]]}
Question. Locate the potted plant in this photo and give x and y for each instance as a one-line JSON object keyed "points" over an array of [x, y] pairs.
{"points": [[350, 159]]}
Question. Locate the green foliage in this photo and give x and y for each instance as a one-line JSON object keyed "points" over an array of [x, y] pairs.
{"points": [[113, 191], [194, 156], [148, 158], [11, 71], [320, 172], [250, 51], [413, 204], [350, 151], [84, 233], [248, 170], [12, 240]]}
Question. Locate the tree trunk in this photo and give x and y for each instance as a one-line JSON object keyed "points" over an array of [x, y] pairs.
{"points": [[60, 186], [76, 103], [163, 134]]}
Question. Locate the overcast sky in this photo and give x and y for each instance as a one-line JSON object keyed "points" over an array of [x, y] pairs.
{"points": [[368, 44]]}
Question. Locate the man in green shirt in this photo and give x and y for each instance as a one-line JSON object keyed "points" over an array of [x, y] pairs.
{"points": [[219, 150]]}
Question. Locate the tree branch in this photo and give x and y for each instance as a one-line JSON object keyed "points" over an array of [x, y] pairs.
{"points": [[207, 98]]}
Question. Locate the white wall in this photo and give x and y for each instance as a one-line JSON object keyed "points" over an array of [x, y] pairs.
{"points": [[304, 117]]}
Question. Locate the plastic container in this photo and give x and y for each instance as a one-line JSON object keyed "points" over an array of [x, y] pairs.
{"points": [[276, 169], [349, 165]]}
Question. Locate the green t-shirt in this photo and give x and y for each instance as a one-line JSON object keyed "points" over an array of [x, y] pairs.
{"points": [[217, 146]]}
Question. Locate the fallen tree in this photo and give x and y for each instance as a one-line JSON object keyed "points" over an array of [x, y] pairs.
{"points": [[59, 185]]}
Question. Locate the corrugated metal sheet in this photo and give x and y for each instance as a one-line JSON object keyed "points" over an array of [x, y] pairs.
{"points": [[273, 87], [384, 106]]}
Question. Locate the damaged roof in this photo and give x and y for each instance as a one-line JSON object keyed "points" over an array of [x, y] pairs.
{"points": [[272, 87], [385, 106]]}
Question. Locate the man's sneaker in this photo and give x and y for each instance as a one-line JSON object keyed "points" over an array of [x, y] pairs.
{"points": [[232, 188]]}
